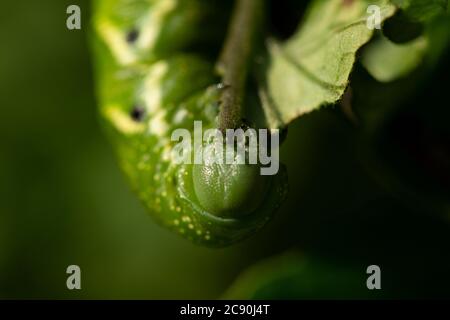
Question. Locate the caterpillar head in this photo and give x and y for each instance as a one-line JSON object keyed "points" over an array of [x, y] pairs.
{"points": [[225, 183], [225, 215], [228, 194], [229, 190]]}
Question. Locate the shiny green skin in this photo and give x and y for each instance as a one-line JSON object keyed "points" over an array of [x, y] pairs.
{"points": [[166, 71], [230, 190]]}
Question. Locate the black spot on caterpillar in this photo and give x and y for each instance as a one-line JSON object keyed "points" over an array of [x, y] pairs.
{"points": [[137, 113], [132, 36]]}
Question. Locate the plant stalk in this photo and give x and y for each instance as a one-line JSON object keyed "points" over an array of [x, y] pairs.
{"points": [[236, 59]]}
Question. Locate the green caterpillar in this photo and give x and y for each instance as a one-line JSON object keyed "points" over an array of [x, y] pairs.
{"points": [[158, 69]]}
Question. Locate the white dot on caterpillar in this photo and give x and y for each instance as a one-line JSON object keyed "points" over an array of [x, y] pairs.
{"points": [[179, 116], [166, 153]]}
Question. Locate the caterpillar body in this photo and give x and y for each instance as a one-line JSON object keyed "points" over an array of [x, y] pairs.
{"points": [[156, 71]]}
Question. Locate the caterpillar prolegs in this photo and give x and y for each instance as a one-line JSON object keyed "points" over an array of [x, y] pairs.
{"points": [[160, 65]]}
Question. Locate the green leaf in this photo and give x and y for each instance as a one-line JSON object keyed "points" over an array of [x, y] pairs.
{"points": [[422, 10], [296, 276], [387, 61], [312, 68]]}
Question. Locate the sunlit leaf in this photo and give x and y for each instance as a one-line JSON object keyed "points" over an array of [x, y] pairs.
{"points": [[312, 68], [387, 61]]}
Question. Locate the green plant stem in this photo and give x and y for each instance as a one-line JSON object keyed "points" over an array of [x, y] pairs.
{"points": [[236, 58]]}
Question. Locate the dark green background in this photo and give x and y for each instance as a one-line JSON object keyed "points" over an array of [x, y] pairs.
{"points": [[64, 200]]}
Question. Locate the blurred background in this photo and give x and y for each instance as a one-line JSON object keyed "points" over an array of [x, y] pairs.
{"points": [[372, 192]]}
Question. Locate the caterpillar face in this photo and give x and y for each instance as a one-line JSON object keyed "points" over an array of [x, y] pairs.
{"points": [[156, 73]]}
